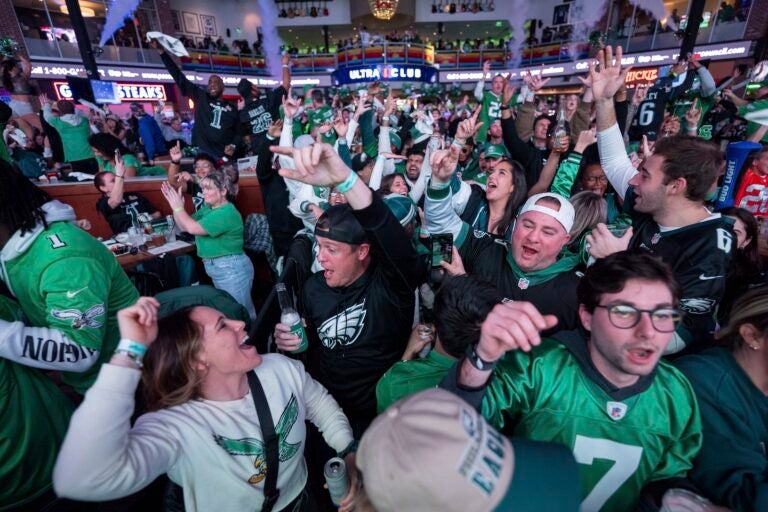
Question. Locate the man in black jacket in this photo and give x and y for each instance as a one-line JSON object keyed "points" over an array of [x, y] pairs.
{"points": [[216, 119], [361, 305], [261, 106]]}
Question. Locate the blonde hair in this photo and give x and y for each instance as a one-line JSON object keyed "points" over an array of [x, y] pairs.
{"points": [[589, 210]]}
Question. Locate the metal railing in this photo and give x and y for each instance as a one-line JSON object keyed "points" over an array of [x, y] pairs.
{"points": [[393, 52]]}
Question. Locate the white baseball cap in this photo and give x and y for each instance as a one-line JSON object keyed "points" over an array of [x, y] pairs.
{"points": [[565, 215], [432, 451]]}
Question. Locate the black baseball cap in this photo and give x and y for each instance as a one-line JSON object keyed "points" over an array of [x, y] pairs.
{"points": [[338, 223]]}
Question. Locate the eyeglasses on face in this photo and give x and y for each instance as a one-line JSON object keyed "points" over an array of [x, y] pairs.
{"points": [[624, 316]]}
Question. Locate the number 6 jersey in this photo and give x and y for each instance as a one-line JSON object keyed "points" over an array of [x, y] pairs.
{"points": [[622, 439]]}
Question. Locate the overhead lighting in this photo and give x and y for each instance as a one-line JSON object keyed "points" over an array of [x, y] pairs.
{"points": [[383, 9], [87, 12]]}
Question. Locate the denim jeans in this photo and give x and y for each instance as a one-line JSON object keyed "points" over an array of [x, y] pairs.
{"points": [[234, 275]]}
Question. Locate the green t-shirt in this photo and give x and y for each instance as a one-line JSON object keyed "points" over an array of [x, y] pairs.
{"points": [[35, 418], [408, 377], [74, 139], [620, 445], [132, 161], [224, 226]]}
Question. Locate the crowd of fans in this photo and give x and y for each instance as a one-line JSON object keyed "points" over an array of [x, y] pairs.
{"points": [[554, 264]]}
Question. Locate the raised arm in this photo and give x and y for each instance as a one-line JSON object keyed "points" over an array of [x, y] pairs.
{"points": [[320, 165], [605, 85], [187, 87]]}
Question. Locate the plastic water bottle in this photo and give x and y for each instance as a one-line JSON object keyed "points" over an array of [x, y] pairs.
{"points": [[291, 317]]}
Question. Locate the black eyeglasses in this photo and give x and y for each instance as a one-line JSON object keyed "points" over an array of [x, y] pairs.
{"points": [[625, 316]]}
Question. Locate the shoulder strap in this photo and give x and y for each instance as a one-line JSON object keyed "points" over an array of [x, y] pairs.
{"points": [[271, 492]]}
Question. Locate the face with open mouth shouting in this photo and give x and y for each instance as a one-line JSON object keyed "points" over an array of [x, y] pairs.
{"points": [[500, 183], [537, 240], [222, 349], [623, 355]]}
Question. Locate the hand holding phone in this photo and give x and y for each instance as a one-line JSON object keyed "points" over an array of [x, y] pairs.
{"points": [[442, 249]]}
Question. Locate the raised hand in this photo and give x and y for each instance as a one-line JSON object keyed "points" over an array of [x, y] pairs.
{"points": [[486, 68], [641, 92], [290, 107], [585, 80], [119, 164], [586, 138], [317, 164], [174, 196], [139, 322], [340, 126], [443, 163], [603, 243], [44, 98], [275, 128], [535, 82], [468, 127], [693, 115], [362, 107], [607, 81], [508, 92], [389, 104], [512, 326], [175, 152], [286, 59]]}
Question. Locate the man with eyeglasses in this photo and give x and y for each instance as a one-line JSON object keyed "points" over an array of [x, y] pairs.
{"points": [[665, 198], [630, 418]]}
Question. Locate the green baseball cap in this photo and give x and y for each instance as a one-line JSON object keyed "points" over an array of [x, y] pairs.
{"points": [[496, 151]]}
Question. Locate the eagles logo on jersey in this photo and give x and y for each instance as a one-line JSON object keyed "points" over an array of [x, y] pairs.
{"points": [[344, 328]]}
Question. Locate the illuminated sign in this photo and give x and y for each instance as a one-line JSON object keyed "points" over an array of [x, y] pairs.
{"points": [[656, 58], [59, 70], [389, 72], [128, 92], [641, 76]]}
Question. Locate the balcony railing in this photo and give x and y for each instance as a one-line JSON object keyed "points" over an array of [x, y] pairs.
{"points": [[634, 40]]}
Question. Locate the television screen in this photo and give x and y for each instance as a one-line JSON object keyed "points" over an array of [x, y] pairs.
{"points": [[81, 88], [105, 92]]}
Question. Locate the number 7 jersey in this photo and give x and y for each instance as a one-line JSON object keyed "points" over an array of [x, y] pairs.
{"points": [[622, 439]]}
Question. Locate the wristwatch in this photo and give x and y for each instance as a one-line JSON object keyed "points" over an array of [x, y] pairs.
{"points": [[477, 361]]}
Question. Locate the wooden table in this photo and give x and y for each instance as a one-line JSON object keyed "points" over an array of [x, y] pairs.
{"points": [[129, 261], [84, 196]]}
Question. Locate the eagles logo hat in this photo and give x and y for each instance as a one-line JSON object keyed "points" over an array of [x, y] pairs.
{"points": [[433, 452], [495, 151], [565, 215], [339, 224]]}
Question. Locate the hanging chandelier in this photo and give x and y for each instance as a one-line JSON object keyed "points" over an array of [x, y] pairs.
{"points": [[383, 9]]}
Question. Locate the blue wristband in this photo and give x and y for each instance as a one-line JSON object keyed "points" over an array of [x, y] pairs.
{"points": [[132, 346], [348, 183]]}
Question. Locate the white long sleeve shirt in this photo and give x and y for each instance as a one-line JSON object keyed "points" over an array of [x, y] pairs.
{"points": [[213, 449]]}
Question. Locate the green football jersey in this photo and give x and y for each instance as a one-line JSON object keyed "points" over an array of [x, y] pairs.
{"points": [[620, 444], [490, 111], [65, 279]]}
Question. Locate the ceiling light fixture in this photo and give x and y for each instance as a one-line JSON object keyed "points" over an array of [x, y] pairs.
{"points": [[383, 9]]}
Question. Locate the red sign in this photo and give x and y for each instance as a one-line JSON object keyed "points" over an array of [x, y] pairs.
{"points": [[128, 92]]}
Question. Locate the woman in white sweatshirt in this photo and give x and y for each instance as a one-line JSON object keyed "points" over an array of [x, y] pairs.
{"points": [[202, 428]]}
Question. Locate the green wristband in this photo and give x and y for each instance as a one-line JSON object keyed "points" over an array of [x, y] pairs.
{"points": [[348, 183]]}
